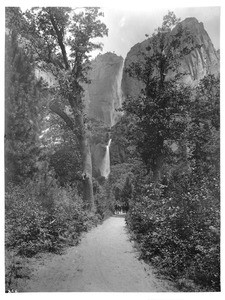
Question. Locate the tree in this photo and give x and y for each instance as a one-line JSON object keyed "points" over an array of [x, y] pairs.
{"points": [[62, 40], [24, 104], [160, 111], [122, 147], [66, 164], [204, 129]]}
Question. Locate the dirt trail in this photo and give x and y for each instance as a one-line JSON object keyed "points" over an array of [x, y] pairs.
{"points": [[104, 261]]}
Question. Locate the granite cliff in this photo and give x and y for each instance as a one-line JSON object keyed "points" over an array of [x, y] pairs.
{"points": [[200, 62], [103, 94]]}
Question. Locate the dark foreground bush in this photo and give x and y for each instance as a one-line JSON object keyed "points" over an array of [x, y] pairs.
{"points": [[43, 223], [178, 230]]}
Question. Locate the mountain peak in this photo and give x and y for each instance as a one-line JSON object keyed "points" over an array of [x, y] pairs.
{"points": [[201, 61]]}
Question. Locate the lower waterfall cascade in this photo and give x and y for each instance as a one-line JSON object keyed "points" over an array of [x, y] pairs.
{"points": [[105, 165]]}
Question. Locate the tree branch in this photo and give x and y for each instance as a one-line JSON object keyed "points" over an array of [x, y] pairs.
{"points": [[56, 109], [60, 40]]}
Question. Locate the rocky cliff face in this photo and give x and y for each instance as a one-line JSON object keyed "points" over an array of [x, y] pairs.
{"points": [[104, 93], [200, 62]]}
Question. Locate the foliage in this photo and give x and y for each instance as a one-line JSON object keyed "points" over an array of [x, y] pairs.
{"points": [[119, 177], [99, 131], [158, 123], [24, 105], [177, 228], [66, 164], [122, 148], [204, 128], [35, 223]]}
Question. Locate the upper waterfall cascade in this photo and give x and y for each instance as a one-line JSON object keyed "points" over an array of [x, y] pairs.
{"points": [[116, 115]]}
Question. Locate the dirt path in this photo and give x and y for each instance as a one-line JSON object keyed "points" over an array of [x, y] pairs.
{"points": [[104, 261]]}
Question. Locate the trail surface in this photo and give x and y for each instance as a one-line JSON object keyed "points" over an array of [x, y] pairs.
{"points": [[104, 261]]}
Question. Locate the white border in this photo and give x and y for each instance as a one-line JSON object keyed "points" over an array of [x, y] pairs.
{"points": [[135, 5]]}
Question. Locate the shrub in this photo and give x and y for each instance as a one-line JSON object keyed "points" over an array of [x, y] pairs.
{"points": [[37, 223], [178, 229]]}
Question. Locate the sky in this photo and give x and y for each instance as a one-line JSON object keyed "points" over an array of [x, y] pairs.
{"points": [[128, 27]]}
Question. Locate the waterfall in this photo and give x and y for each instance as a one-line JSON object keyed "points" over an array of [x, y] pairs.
{"points": [[119, 90], [118, 100], [105, 165]]}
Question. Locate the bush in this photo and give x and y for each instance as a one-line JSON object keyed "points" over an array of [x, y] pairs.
{"points": [[178, 229], [37, 223]]}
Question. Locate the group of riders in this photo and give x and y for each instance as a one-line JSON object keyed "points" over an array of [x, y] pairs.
{"points": [[120, 209]]}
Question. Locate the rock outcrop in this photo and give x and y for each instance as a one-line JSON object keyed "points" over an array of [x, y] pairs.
{"points": [[200, 62], [103, 94]]}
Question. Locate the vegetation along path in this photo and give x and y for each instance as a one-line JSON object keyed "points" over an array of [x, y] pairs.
{"points": [[104, 261]]}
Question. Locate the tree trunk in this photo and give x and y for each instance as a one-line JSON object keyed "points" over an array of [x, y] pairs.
{"points": [[88, 195], [158, 162], [157, 169]]}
